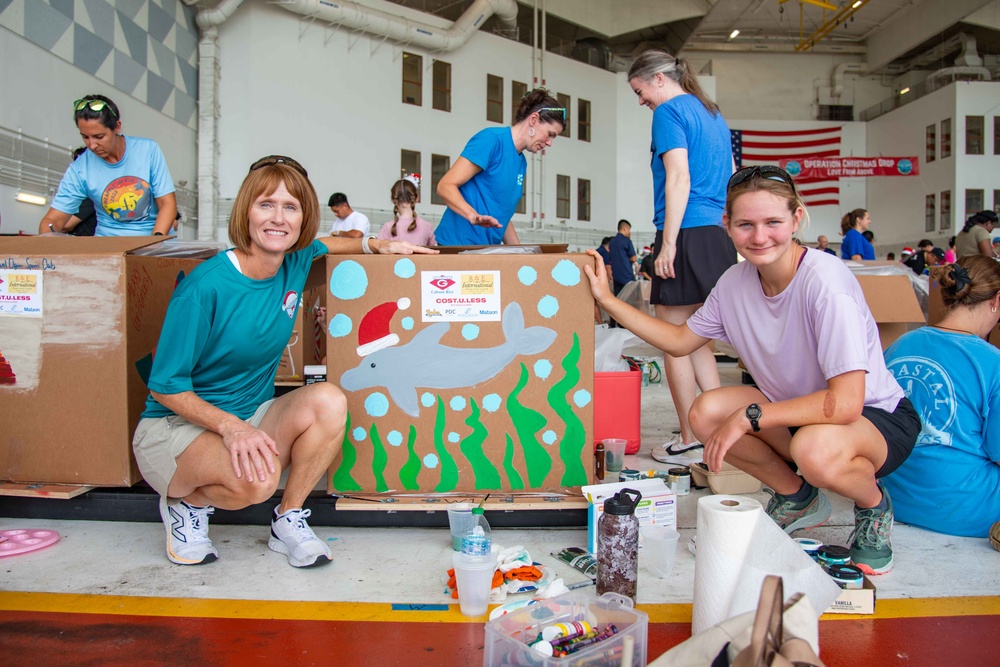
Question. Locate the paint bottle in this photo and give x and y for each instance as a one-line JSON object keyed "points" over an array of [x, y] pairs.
{"points": [[847, 577], [599, 461], [810, 546], [618, 545], [679, 481], [478, 538], [831, 554]]}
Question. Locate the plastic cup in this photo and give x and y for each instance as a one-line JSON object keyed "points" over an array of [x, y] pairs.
{"points": [[474, 578], [459, 517], [614, 454], [659, 547]]}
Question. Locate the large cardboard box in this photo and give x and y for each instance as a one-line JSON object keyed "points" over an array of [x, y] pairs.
{"points": [[75, 353], [463, 373], [307, 344], [893, 304], [658, 505]]}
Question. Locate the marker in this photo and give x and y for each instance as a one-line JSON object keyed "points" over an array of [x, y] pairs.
{"points": [[51, 228], [580, 584]]}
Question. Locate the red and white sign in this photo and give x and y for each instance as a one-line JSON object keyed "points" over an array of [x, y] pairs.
{"points": [[812, 168]]}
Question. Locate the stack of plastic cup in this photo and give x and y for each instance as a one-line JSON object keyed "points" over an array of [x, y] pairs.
{"points": [[474, 578], [659, 547], [459, 516]]}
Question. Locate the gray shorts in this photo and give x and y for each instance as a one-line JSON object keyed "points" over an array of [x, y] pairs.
{"points": [[159, 441]]}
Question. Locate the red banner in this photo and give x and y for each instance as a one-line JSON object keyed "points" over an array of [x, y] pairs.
{"points": [[850, 167]]}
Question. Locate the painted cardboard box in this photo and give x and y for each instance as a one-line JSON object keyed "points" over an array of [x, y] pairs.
{"points": [[307, 344], [79, 321], [463, 373]]}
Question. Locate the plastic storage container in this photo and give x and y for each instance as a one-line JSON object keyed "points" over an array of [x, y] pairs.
{"points": [[507, 637], [727, 481]]}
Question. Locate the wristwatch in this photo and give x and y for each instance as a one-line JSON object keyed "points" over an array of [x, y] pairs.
{"points": [[753, 414]]}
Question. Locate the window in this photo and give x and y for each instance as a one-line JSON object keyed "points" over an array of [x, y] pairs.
{"points": [[441, 85], [996, 135], [413, 79], [440, 164], [946, 138], [564, 102], [945, 210], [494, 98], [975, 135], [996, 200], [929, 213], [562, 196], [975, 201], [583, 120], [409, 163], [582, 199], [517, 92], [931, 143]]}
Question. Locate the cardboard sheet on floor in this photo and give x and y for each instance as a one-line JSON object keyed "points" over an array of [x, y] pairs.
{"points": [[462, 372]]}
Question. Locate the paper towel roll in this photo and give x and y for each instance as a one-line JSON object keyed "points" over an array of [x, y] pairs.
{"points": [[738, 545]]}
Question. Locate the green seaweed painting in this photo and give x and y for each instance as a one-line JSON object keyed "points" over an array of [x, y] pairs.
{"points": [[379, 460], [486, 474], [342, 479], [527, 423], [411, 469], [513, 476], [575, 437], [449, 469]]}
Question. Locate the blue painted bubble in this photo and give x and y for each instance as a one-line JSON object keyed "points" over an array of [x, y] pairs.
{"points": [[431, 461], [377, 404], [407, 323], [358, 434], [548, 306], [394, 438], [527, 275], [581, 398], [543, 367], [341, 325], [404, 268], [427, 399], [470, 331], [348, 280], [491, 402], [457, 403], [549, 437], [454, 437], [566, 273]]}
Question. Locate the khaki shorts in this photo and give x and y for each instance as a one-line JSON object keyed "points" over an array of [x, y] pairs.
{"points": [[159, 441]]}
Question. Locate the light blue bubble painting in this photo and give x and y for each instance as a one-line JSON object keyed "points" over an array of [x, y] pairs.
{"points": [[566, 273], [377, 405], [548, 306], [543, 368], [340, 325], [431, 461], [348, 280], [491, 402], [358, 434], [394, 438], [458, 403], [581, 398], [404, 268], [427, 399], [527, 275], [407, 323], [453, 437], [549, 437], [470, 331]]}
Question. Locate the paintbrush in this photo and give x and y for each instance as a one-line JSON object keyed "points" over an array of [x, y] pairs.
{"points": [[484, 501]]}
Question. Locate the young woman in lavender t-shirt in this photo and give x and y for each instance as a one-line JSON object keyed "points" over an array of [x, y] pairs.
{"points": [[826, 404]]}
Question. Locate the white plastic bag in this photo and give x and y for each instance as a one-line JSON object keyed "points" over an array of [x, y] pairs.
{"points": [[608, 347]]}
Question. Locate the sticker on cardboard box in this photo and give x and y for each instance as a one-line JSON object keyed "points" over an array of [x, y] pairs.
{"points": [[460, 296], [21, 293]]}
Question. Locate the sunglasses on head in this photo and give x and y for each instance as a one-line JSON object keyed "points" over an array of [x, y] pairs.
{"points": [[279, 159], [561, 110], [768, 171], [93, 105]]}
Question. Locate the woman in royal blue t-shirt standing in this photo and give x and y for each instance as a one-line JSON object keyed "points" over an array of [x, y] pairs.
{"points": [[855, 245]]}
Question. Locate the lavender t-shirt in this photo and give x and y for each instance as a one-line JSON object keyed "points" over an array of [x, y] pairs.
{"points": [[817, 328]]}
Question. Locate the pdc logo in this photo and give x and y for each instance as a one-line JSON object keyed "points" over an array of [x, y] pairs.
{"points": [[442, 282]]}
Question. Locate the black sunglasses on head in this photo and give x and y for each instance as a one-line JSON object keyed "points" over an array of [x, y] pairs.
{"points": [[768, 171], [279, 159]]}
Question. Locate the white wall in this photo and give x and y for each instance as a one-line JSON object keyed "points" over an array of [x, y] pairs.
{"points": [[38, 93]]}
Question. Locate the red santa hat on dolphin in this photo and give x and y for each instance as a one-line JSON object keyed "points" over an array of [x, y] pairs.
{"points": [[373, 332]]}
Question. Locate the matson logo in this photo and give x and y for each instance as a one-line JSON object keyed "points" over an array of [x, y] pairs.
{"points": [[442, 282]]}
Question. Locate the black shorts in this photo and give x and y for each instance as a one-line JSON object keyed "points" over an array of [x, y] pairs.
{"points": [[703, 255], [900, 429]]}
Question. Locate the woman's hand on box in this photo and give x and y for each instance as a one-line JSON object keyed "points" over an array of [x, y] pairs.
{"points": [[598, 277], [251, 450]]}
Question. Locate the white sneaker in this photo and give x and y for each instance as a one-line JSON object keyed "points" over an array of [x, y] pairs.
{"points": [[675, 451], [292, 536], [187, 533]]}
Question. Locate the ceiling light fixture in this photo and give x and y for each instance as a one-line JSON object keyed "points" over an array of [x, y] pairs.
{"points": [[856, 4], [904, 90], [28, 198], [733, 34]]}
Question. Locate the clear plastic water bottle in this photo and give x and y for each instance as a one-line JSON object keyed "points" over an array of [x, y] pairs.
{"points": [[478, 539], [645, 374]]}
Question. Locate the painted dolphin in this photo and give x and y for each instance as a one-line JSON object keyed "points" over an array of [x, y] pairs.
{"points": [[425, 362]]}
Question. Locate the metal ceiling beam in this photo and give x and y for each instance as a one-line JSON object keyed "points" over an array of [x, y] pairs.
{"points": [[833, 22]]}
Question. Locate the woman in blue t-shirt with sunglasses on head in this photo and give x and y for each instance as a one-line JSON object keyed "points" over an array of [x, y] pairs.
{"points": [[126, 177], [484, 185]]}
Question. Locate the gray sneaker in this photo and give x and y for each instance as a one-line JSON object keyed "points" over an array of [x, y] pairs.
{"points": [[790, 517], [871, 550]]}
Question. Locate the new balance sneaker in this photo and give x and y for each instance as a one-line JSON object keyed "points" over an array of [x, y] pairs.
{"points": [[791, 516], [674, 449], [187, 533], [871, 550], [292, 536]]}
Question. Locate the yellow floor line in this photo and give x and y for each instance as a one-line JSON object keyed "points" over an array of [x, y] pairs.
{"points": [[383, 612]]}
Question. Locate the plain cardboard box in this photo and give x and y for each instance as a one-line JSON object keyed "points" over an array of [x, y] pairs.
{"points": [[307, 344], [459, 398], [856, 601], [893, 304], [658, 505], [79, 368]]}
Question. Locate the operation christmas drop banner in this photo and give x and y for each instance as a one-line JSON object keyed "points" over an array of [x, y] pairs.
{"points": [[463, 373]]}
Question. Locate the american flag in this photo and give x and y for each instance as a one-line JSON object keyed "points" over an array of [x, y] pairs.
{"points": [[756, 147]]}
